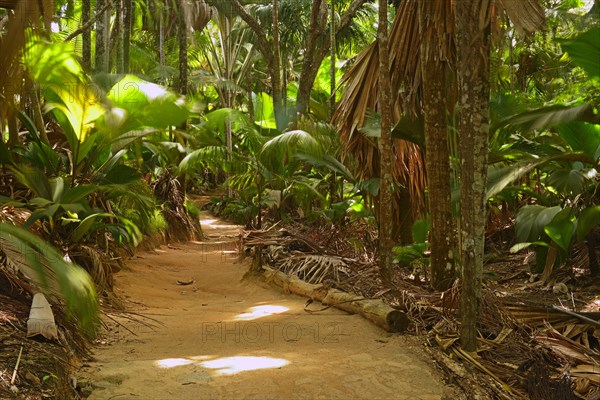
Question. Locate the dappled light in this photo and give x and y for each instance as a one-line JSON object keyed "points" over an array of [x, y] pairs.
{"points": [[261, 311], [224, 365], [173, 362], [233, 365], [179, 362], [212, 224]]}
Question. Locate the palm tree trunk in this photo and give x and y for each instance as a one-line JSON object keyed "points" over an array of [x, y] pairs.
{"points": [[332, 60], [13, 126], [276, 71], [127, 25], [473, 19], [101, 40], [437, 158], [183, 53], [314, 31], [385, 148], [119, 36], [86, 61], [161, 35], [313, 59]]}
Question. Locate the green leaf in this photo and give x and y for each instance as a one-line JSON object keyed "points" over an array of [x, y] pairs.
{"points": [[145, 104], [121, 175], [531, 220], [420, 230], [281, 148], [570, 181], [581, 136], [561, 229], [264, 111], [546, 117], [85, 226], [584, 50], [34, 179], [412, 130], [588, 219], [51, 273], [77, 194]]}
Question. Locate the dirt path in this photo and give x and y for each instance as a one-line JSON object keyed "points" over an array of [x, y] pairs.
{"points": [[223, 338]]}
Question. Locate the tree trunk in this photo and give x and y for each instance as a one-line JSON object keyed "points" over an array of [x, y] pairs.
{"points": [[403, 217], [276, 71], [161, 36], [314, 31], [86, 59], [183, 53], [313, 59], [119, 37], [385, 148], [102, 28], [13, 126], [127, 25], [437, 157], [473, 29], [332, 54]]}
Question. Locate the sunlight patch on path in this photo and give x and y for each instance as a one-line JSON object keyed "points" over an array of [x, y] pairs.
{"points": [[260, 312], [224, 365], [233, 365]]}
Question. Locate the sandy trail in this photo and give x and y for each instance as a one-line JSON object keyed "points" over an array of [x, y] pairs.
{"points": [[223, 338]]}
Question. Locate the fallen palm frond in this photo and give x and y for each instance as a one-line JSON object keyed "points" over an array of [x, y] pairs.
{"points": [[298, 255], [314, 268]]}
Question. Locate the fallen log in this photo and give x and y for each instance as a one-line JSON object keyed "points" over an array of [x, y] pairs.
{"points": [[375, 310]]}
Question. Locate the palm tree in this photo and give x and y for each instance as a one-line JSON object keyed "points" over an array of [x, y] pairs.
{"points": [[473, 26], [361, 95], [407, 75], [385, 148], [102, 36], [436, 58]]}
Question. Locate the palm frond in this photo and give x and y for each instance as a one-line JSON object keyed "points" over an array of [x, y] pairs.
{"points": [[361, 97], [526, 15], [283, 147], [43, 265], [313, 268], [548, 117]]}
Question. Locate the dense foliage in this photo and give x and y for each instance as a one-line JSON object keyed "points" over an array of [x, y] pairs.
{"points": [[113, 111]]}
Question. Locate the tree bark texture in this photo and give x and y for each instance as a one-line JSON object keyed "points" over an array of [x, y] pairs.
{"points": [[332, 56], [473, 18], [315, 29], [435, 68], [119, 37], [278, 103], [127, 24], [101, 38], [385, 148], [86, 36], [182, 32], [313, 59], [267, 49]]}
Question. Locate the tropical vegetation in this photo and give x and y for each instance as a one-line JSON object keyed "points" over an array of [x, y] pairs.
{"points": [[436, 124]]}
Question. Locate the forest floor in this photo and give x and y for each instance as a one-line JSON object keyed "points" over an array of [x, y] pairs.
{"points": [[196, 329]]}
